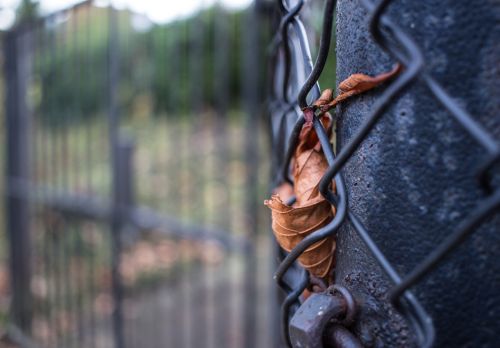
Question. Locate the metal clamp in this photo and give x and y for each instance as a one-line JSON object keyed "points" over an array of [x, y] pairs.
{"points": [[318, 322]]}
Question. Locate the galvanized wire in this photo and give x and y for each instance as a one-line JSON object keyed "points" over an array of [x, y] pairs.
{"points": [[391, 38]]}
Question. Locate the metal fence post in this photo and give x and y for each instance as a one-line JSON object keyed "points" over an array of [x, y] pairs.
{"points": [[121, 153], [17, 72], [122, 202], [412, 180]]}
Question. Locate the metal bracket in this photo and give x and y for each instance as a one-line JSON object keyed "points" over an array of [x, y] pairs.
{"points": [[310, 325]]}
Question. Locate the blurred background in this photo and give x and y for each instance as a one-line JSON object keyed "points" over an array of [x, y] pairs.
{"points": [[136, 162]]}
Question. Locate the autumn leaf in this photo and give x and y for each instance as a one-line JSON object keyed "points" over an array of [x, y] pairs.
{"points": [[291, 224], [311, 211], [353, 85]]}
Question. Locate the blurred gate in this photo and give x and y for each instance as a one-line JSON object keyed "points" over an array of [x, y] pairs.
{"points": [[134, 180]]}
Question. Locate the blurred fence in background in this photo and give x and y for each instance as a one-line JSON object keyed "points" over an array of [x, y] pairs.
{"points": [[135, 176]]}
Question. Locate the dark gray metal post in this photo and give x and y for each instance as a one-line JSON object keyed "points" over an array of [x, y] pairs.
{"points": [[17, 72], [121, 153], [122, 202], [413, 179]]}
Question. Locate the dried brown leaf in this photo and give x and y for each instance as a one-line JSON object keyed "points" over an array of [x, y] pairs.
{"points": [[353, 85], [291, 224], [285, 191], [310, 211]]}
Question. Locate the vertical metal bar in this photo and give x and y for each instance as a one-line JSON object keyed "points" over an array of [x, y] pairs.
{"points": [[126, 78], [78, 78], [58, 285], [250, 100], [90, 277], [17, 69], [76, 113], [88, 121], [42, 124], [154, 193], [47, 246], [65, 228], [113, 77], [222, 172], [63, 108], [164, 315], [175, 58], [56, 177], [67, 234], [120, 170], [51, 182], [90, 269], [197, 79], [185, 289], [43, 120], [36, 174], [122, 200], [53, 116]]}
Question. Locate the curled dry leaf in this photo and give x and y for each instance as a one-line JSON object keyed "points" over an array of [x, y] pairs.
{"points": [[311, 211], [353, 85]]}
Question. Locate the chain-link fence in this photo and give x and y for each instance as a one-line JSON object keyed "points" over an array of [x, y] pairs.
{"points": [[137, 163], [296, 87]]}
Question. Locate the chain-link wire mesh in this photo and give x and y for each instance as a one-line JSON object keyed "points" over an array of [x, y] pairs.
{"points": [[296, 87]]}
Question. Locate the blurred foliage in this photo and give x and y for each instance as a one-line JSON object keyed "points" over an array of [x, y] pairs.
{"points": [[164, 69], [27, 10], [169, 68]]}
